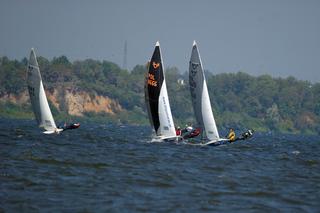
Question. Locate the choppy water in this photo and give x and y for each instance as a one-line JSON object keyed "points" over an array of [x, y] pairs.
{"points": [[105, 168]]}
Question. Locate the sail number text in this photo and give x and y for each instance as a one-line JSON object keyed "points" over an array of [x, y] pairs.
{"points": [[152, 81]]}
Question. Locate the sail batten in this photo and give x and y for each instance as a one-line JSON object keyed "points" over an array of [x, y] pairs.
{"points": [[200, 97]]}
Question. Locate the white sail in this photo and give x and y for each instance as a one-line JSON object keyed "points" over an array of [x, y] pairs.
{"points": [[200, 97], [156, 96], [37, 95], [166, 121]]}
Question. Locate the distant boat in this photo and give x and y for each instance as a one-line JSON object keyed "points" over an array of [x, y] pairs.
{"points": [[38, 97], [201, 101], [157, 100]]}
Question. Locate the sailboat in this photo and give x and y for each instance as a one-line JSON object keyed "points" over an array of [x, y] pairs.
{"points": [[38, 97], [201, 101], [157, 101]]}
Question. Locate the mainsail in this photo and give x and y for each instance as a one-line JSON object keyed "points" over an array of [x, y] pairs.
{"points": [[156, 96], [37, 95], [200, 97]]}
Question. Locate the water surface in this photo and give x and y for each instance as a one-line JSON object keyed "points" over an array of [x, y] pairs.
{"points": [[107, 168]]}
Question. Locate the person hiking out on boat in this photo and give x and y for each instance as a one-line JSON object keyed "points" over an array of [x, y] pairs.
{"points": [[70, 126], [246, 135], [73, 126], [194, 133], [188, 128], [232, 135]]}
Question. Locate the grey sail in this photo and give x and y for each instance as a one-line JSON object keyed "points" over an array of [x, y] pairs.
{"points": [[200, 97], [37, 95]]}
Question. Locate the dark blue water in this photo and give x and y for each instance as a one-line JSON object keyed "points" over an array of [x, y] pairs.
{"points": [[106, 168]]}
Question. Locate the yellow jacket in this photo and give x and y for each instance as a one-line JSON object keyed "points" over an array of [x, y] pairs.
{"points": [[232, 136]]}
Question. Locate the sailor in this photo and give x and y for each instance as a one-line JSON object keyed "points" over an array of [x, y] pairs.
{"points": [[194, 133], [232, 135], [247, 134], [73, 126], [178, 131], [70, 126], [250, 132], [189, 128]]}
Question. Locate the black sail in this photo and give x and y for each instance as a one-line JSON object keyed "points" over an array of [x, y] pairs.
{"points": [[153, 84]]}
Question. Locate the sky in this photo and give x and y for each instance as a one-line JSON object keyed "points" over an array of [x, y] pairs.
{"points": [[276, 37]]}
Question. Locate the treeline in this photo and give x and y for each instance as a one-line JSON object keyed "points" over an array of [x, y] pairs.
{"points": [[239, 100]]}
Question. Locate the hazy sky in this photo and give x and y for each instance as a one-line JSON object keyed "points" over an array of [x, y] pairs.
{"points": [[276, 37]]}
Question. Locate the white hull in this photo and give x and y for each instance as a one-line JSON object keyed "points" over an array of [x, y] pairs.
{"points": [[57, 131], [167, 139], [215, 141]]}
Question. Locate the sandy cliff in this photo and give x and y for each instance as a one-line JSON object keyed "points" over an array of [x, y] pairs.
{"points": [[74, 102]]}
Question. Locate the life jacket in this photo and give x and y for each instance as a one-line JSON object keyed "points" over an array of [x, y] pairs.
{"points": [[178, 132], [232, 136]]}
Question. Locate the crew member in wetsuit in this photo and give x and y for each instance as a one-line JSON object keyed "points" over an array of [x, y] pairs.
{"points": [[247, 134], [194, 133], [70, 126], [187, 129], [73, 126]]}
